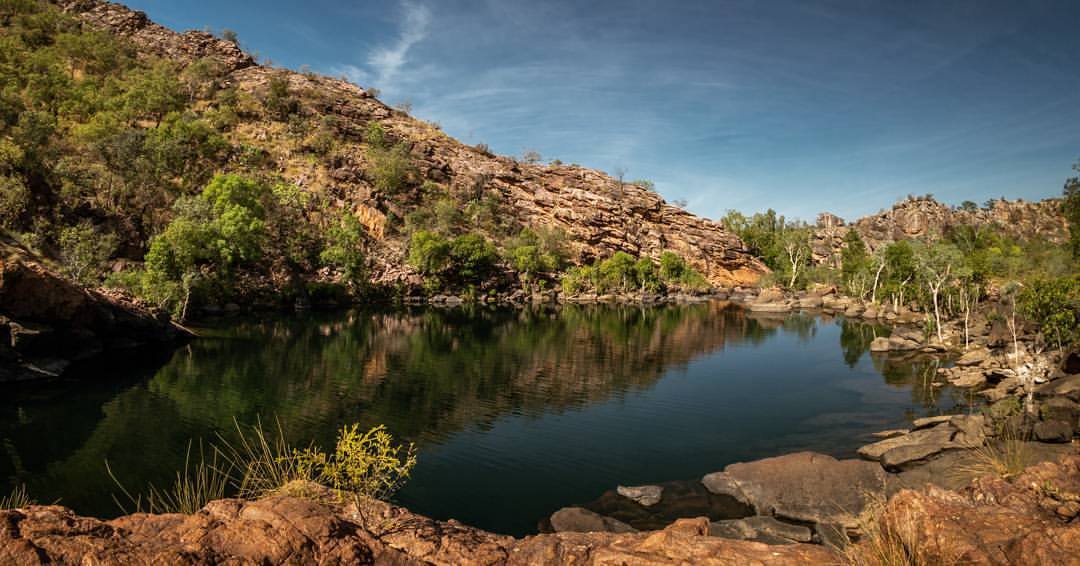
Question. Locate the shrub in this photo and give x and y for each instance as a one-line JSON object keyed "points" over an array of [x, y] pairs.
{"points": [[343, 250], [391, 165], [83, 249], [279, 103], [363, 464], [618, 271], [1054, 306]]}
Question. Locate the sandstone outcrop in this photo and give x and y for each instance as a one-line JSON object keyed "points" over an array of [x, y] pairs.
{"points": [[48, 321], [1031, 519], [600, 214], [922, 217], [284, 530]]}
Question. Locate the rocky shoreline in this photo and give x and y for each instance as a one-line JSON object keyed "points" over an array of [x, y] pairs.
{"points": [[990, 521]]}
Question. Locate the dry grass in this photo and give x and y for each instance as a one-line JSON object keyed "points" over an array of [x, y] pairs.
{"points": [[18, 498], [265, 463], [1006, 457], [199, 483], [888, 542]]}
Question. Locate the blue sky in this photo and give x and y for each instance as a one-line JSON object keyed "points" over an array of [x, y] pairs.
{"points": [[800, 106]]}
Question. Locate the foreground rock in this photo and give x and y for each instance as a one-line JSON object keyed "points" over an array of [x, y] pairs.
{"points": [[804, 487], [48, 321], [285, 530], [1030, 520]]}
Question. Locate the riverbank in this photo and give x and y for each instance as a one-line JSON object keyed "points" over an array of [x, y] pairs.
{"points": [[990, 521]]}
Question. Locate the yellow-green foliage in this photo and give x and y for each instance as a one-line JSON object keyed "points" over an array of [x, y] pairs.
{"points": [[365, 464]]}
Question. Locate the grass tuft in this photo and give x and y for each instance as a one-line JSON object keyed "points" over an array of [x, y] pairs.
{"points": [[1005, 458], [199, 483], [19, 498]]}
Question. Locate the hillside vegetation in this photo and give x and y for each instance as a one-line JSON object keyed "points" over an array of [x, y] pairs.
{"points": [[178, 168]]}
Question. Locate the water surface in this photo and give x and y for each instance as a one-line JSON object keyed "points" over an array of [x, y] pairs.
{"points": [[515, 413]]}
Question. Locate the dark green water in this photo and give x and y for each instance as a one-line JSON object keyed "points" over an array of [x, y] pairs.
{"points": [[515, 413]]}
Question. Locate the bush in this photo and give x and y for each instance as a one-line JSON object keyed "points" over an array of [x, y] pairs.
{"points": [[1054, 306], [363, 464], [83, 250], [472, 258], [343, 248], [391, 165]]}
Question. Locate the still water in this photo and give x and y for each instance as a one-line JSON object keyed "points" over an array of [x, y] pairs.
{"points": [[515, 413]]}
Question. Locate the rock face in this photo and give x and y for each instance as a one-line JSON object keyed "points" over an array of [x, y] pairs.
{"points": [[600, 214], [48, 321], [923, 217]]}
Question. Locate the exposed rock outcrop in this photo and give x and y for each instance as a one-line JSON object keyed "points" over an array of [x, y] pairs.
{"points": [[600, 214], [923, 217], [47, 321], [1028, 520], [284, 530]]}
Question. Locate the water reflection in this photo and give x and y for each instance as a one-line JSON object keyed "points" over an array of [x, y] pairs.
{"points": [[516, 412]]}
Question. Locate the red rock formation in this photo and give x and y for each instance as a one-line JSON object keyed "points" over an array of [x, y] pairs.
{"points": [[1029, 520], [926, 218]]}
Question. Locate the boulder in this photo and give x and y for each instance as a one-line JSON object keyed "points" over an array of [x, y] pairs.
{"points": [[880, 344], [1068, 386], [1053, 431], [899, 343], [973, 357], [803, 487], [580, 520], [646, 495]]}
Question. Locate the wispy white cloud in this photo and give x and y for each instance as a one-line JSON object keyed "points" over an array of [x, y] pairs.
{"points": [[387, 61]]}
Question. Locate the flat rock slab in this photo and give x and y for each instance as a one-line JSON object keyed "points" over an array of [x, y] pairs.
{"points": [[580, 520], [903, 457], [760, 528], [804, 487], [928, 422], [938, 435], [646, 495]]}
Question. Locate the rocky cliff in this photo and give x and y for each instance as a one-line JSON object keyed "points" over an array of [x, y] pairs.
{"points": [[600, 214], [48, 321], [924, 217]]}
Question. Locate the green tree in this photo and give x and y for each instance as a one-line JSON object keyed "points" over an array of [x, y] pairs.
{"points": [[83, 250], [618, 271], [473, 257], [1054, 306], [429, 252], [153, 93], [344, 248], [645, 273], [1070, 207]]}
